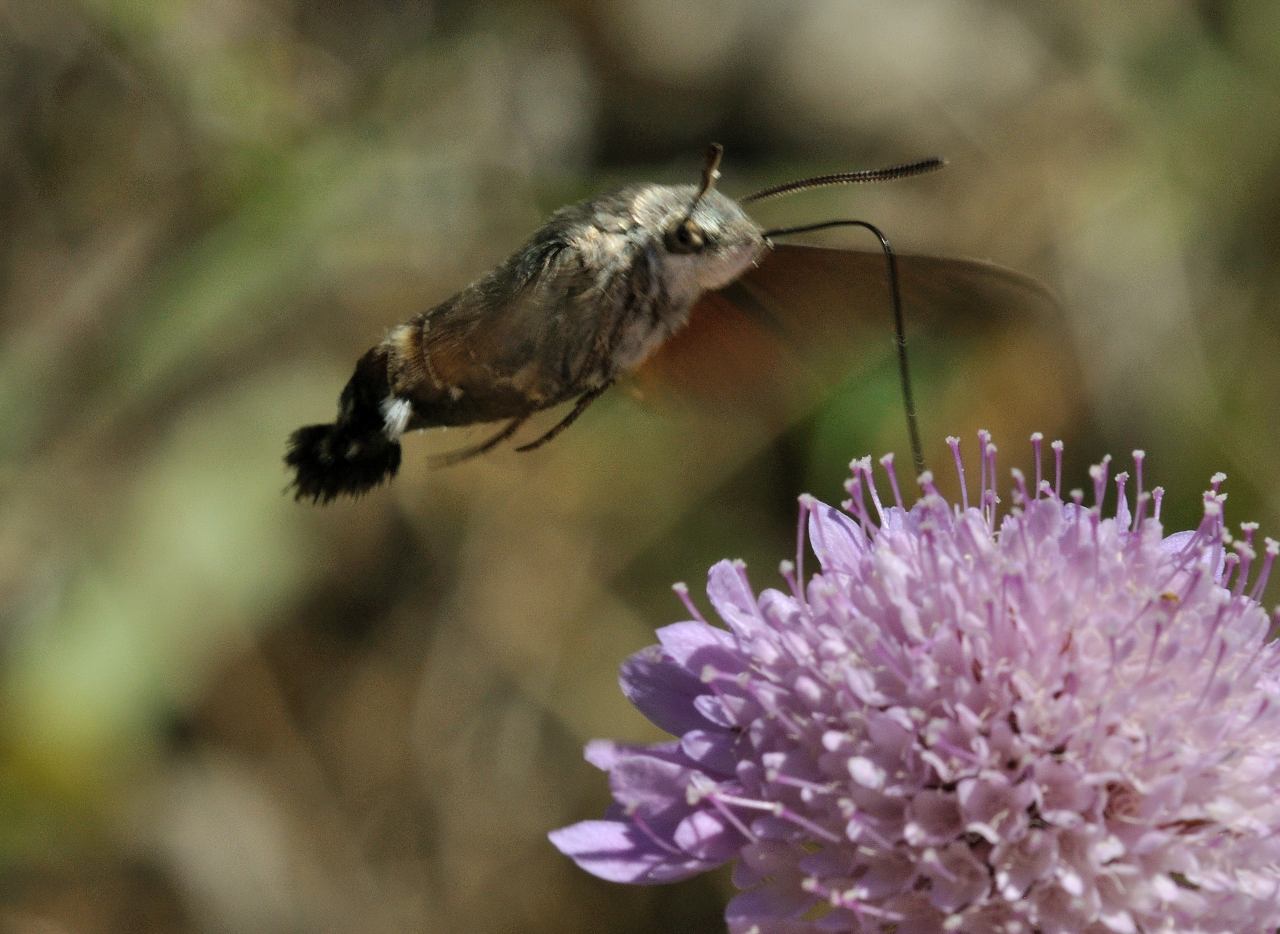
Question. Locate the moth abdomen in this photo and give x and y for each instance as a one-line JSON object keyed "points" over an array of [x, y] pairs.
{"points": [[361, 449]]}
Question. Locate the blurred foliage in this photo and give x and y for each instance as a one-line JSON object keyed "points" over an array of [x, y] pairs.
{"points": [[225, 711]]}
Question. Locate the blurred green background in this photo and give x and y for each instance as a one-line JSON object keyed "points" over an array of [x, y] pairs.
{"points": [[224, 711]]}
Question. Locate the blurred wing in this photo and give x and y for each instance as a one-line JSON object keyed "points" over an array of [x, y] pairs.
{"points": [[808, 317], [732, 341]]}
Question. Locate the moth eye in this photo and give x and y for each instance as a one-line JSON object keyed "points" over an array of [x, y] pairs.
{"points": [[685, 237]]}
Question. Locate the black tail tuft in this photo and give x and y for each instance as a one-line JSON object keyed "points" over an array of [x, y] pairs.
{"points": [[333, 460]]}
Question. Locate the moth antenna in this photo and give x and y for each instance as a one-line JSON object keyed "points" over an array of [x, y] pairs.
{"points": [[891, 173], [899, 328], [710, 174]]}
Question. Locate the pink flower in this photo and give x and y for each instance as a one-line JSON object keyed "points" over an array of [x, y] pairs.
{"points": [[1049, 720]]}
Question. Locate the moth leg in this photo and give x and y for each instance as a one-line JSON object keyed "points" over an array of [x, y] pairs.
{"points": [[584, 400], [457, 457]]}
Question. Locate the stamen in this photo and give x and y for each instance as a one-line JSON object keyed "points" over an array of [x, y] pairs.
{"points": [[817, 830], [814, 788], [853, 816], [787, 570], [1245, 550], [1144, 500], [1020, 493], [1140, 503], [759, 688], [856, 504], [1057, 469], [1037, 449], [640, 822], [1206, 533], [865, 466], [1248, 528], [957, 752], [936, 865], [887, 463], [1213, 673], [1123, 517], [1098, 473], [777, 809], [1272, 550], [718, 802], [1212, 521], [926, 484], [846, 899], [682, 591], [991, 499], [750, 804], [1219, 617], [984, 438], [1230, 564], [954, 443], [1157, 497]]}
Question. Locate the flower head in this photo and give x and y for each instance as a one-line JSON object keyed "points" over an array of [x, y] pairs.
{"points": [[1053, 720]]}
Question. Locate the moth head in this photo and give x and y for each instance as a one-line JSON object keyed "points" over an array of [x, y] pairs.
{"points": [[710, 245], [702, 239], [707, 240]]}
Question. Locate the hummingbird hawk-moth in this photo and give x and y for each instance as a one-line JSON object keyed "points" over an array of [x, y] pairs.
{"points": [[599, 289]]}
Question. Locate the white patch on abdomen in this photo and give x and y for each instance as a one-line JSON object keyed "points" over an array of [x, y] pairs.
{"points": [[396, 413]]}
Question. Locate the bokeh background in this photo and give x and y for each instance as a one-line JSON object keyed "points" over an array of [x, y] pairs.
{"points": [[224, 711]]}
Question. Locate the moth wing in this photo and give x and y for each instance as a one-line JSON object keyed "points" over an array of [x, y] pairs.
{"points": [[500, 344], [812, 281], [790, 329], [731, 343]]}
